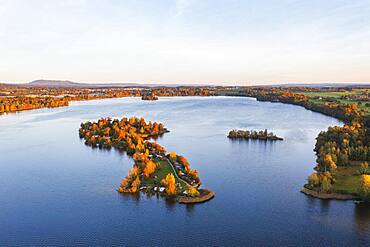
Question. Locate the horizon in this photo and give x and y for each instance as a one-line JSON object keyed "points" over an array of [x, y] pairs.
{"points": [[197, 83], [186, 41]]}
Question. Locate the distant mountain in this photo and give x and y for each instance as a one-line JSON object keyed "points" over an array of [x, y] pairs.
{"points": [[71, 84], [53, 83]]}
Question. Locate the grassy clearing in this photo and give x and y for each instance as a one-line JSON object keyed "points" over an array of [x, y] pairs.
{"points": [[159, 174], [347, 180], [329, 94]]}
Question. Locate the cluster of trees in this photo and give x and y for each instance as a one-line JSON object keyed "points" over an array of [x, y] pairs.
{"points": [[132, 135], [149, 96], [339, 146], [183, 91], [246, 134], [343, 144], [13, 104], [321, 180], [183, 169]]}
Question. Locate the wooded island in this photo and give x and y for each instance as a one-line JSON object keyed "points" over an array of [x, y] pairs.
{"points": [[252, 134]]}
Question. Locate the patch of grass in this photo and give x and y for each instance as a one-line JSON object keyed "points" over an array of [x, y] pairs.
{"points": [[347, 180], [329, 94], [156, 178]]}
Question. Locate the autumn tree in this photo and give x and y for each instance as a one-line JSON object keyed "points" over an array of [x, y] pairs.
{"points": [[313, 180], [328, 163], [170, 183], [135, 185], [149, 168], [364, 190], [173, 156], [192, 191], [364, 169]]}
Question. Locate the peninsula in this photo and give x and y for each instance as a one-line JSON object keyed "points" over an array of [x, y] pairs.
{"points": [[154, 170]]}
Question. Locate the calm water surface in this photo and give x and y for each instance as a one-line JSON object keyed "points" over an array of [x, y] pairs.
{"points": [[54, 190]]}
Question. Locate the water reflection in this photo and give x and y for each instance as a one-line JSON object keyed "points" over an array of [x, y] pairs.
{"points": [[190, 210], [134, 197], [170, 203], [362, 218]]}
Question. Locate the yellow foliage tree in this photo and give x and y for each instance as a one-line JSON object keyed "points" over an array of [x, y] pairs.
{"points": [[134, 171], [193, 192], [329, 163], [149, 168], [314, 180], [364, 190], [173, 155], [135, 185], [170, 183]]}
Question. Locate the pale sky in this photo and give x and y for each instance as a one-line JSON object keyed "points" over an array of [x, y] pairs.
{"points": [[185, 41]]}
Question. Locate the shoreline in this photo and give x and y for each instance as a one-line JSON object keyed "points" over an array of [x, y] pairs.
{"points": [[205, 195], [328, 196]]}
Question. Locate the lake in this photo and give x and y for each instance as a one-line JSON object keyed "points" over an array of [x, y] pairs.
{"points": [[54, 190]]}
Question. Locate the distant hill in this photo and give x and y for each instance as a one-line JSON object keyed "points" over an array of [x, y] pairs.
{"points": [[71, 84], [53, 83]]}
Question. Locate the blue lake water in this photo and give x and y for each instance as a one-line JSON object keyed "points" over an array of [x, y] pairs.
{"points": [[54, 190]]}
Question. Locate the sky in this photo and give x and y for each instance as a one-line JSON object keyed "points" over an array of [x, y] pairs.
{"points": [[228, 42]]}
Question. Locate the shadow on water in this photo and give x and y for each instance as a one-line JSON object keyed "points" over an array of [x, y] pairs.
{"points": [[170, 203], [134, 197], [318, 205], [190, 209], [362, 218]]}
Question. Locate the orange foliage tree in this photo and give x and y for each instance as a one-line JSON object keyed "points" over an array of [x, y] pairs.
{"points": [[170, 183]]}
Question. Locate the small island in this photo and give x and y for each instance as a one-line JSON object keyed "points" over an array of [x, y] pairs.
{"points": [[150, 96], [252, 134], [154, 171]]}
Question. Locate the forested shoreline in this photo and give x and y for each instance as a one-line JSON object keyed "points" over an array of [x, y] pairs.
{"points": [[343, 152]]}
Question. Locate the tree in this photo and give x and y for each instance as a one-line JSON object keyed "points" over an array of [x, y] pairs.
{"points": [[313, 180], [173, 155], [328, 163], [134, 171], [364, 168], [149, 168], [135, 185], [170, 183], [192, 192], [364, 190], [325, 184]]}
